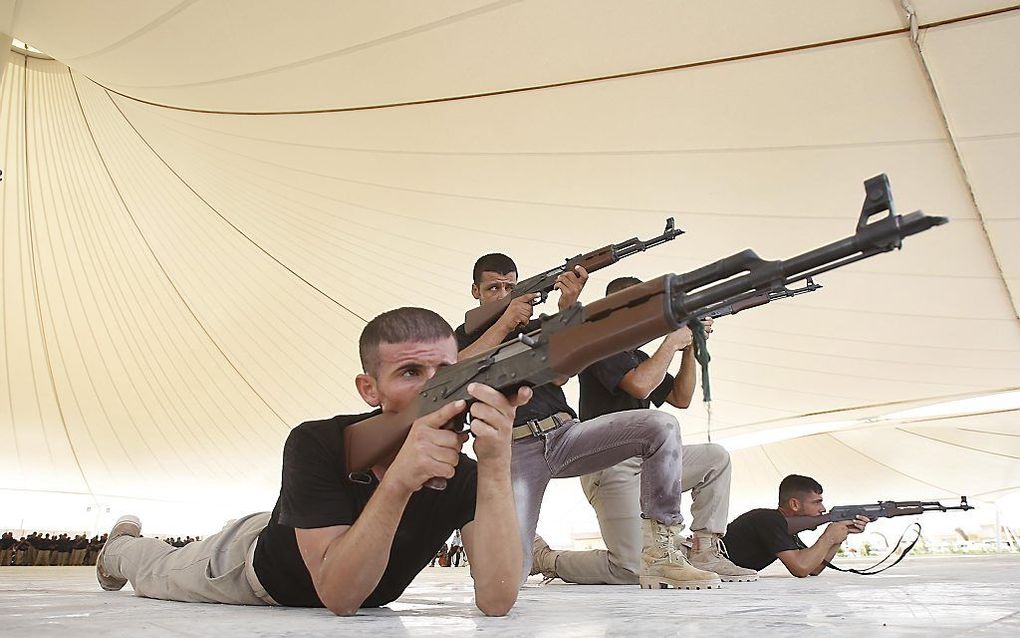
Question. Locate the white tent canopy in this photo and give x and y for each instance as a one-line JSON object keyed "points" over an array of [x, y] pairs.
{"points": [[204, 201]]}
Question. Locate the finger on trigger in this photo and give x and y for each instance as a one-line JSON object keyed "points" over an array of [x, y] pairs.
{"points": [[442, 416]]}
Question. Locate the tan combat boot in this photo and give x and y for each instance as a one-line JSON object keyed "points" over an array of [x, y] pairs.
{"points": [[664, 566], [706, 551], [125, 526], [543, 559]]}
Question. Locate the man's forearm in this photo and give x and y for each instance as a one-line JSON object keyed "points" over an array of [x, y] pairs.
{"points": [[489, 339], [647, 376], [828, 557], [355, 561], [496, 561], [811, 559], [686, 379]]}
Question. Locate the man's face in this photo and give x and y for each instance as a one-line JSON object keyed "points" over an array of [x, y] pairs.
{"points": [[810, 505], [493, 287], [402, 371]]}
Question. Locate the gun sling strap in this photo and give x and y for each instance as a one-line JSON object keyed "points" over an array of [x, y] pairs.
{"points": [[701, 355], [872, 570]]}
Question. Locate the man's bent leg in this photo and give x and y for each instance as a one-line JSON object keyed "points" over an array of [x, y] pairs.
{"points": [[208, 571], [706, 474], [615, 495], [602, 442], [529, 474]]}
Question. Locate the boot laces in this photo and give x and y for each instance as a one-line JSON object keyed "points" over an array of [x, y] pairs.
{"points": [[671, 534]]}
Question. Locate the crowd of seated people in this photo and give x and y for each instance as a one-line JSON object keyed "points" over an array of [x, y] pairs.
{"points": [[59, 549]]}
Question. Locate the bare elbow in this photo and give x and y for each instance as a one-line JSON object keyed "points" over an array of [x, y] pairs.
{"points": [[341, 607], [343, 610], [636, 390], [496, 605]]}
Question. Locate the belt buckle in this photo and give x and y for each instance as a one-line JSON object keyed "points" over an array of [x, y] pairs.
{"points": [[535, 430]]}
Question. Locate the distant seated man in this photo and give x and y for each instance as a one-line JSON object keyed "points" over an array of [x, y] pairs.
{"points": [[757, 538]]}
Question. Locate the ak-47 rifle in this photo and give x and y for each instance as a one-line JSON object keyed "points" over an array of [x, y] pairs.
{"points": [[762, 298], [579, 336], [882, 509], [482, 317], [873, 511]]}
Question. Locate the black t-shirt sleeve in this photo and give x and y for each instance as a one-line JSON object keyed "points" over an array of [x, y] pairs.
{"points": [[659, 394], [313, 493], [463, 340], [610, 371]]}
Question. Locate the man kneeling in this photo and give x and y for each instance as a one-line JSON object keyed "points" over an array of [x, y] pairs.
{"points": [[331, 542]]}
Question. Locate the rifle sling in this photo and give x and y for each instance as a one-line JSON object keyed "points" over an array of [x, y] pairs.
{"points": [[701, 355], [871, 571]]}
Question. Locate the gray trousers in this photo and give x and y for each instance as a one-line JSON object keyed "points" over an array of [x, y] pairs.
{"points": [[578, 448], [613, 493], [217, 569]]}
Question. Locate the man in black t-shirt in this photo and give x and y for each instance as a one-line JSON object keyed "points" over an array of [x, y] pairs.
{"points": [[336, 543], [632, 380], [549, 441], [757, 538]]}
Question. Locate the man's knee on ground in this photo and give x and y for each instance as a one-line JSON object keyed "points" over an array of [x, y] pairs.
{"points": [[624, 569]]}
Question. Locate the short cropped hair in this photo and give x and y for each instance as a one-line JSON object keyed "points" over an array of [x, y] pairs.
{"points": [[621, 283], [399, 326], [797, 486], [493, 262]]}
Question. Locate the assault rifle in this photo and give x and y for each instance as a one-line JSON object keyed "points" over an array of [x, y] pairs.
{"points": [[579, 336], [482, 317], [763, 298], [874, 511]]}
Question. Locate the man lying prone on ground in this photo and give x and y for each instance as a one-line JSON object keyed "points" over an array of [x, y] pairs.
{"points": [[757, 538], [331, 542]]}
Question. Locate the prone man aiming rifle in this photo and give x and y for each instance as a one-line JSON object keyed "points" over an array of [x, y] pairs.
{"points": [[873, 512], [579, 336]]}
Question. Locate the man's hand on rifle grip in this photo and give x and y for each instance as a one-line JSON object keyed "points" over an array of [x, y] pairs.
{"points": [[430, 450], [492, 420], [570, 285], [519, 312], [857, 525]]}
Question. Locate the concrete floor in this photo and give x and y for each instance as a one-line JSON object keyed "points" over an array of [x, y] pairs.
{"points": [[929, 596]]}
